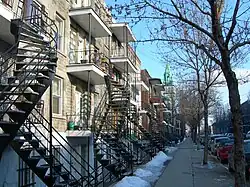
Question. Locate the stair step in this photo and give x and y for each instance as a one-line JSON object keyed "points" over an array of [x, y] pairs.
{"points": [[25, 153], [104, 162], [40, 51], [33, 160], [112, 167], [99, 156], [16, 115], [50, 65], [47, 72], [39, 39], [31, 32], [31, 44], [21, 57], [23, 24], [21, 105], [30, 96], [8, 87], [10, 127]]}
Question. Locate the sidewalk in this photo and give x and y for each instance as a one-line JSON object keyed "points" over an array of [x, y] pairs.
{"points": [[185, 170]]}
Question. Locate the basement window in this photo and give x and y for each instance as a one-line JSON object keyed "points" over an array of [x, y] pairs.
{"points": [[57, 95], [26, 177]]}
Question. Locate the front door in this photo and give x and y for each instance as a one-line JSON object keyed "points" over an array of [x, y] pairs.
{"points": [[78, 107]]}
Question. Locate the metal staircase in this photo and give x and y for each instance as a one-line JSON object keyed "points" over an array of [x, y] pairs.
{"points": [[27, 71], [110, 125]]}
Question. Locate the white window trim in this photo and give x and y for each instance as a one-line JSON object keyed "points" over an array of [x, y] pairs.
{"points": [[59, 96], [61, 20]]}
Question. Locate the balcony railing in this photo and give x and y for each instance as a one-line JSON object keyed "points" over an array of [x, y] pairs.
{"points": [[140, 78], [121, 52], [90, 57], [100, 9], [8, 3]]}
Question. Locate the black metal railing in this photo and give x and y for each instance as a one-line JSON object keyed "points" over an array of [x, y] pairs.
{"points": [[8, 3], [90, 57], [49, 29]]}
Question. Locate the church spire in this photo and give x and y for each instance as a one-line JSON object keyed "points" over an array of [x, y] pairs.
{"points": [[168, 80]]}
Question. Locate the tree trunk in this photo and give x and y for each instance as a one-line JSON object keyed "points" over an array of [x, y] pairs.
{"points": [[205, 103], [199, 134], [234, 101], [195, 134]]}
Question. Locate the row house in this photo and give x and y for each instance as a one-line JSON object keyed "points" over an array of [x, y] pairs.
{"points": [[71, 91]]}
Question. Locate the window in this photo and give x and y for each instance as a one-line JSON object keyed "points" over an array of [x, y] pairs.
{"points": [[60, 35], [25, 175], [57, 95]]}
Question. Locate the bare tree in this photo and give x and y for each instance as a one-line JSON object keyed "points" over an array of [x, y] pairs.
{"points": [[226, 27], [190, 108], [203, 72]]}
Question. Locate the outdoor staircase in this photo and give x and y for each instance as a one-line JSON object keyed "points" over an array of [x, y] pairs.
{"points": [[109, 124], [28, 69]]}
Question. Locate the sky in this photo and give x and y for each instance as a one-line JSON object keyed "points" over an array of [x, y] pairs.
{"points": [[151, 61]]}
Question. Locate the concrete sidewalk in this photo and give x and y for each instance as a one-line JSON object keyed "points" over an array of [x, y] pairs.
{"points": [[185, 170]]}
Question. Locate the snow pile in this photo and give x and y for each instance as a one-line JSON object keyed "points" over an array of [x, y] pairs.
{"points": [[170, 149], [132, 181], [148, 175], [157, 163]]}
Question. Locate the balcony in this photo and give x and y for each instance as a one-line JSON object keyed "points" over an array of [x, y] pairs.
{"points": [[88, 66], [139, 82], [155, 99], [6, 14], [91, 15], [122, 32], [155, 81], [124, 59]]}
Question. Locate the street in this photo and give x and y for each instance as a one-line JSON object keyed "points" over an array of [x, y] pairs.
{"points": [[185, 170]]}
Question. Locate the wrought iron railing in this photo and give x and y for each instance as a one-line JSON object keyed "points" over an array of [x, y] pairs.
{"points": [[8, 3], [121, 52], [90, 57], [99, 7]]}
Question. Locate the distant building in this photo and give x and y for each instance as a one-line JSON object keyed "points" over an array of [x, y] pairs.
{"points": [[225, 125]]}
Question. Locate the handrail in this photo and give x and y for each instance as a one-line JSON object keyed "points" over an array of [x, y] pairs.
{"points": [[61, 155], [43, 118], [32, 20]]}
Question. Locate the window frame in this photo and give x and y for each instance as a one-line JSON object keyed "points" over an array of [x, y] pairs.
{"points": [[60, 96], [61, 32]]}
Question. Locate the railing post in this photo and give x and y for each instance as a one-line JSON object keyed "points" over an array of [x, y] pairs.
{"points": [[50, 133]]}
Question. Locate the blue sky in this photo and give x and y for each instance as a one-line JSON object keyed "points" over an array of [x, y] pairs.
{"points": [[156, 67]]}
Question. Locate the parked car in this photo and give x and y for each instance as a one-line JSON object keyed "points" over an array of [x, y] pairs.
{"points": [[247, 135], [211, 139], [215, 143], [230, 135], [247, 159], [223, 148]]}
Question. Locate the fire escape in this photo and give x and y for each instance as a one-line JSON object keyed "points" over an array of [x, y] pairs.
{"points": [[27, 71]]}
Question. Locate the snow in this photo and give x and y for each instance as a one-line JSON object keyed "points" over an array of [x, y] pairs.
{"points": [[132, 181], [148, 174], [170, 149]]}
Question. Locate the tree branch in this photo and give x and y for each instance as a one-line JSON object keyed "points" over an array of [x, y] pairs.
{"points": [[182, 19], [234, 22], [238, 45]]}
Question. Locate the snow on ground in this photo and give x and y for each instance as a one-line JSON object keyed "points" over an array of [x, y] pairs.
{"points": [[148, 174], [132, 181], [169, 150]]}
